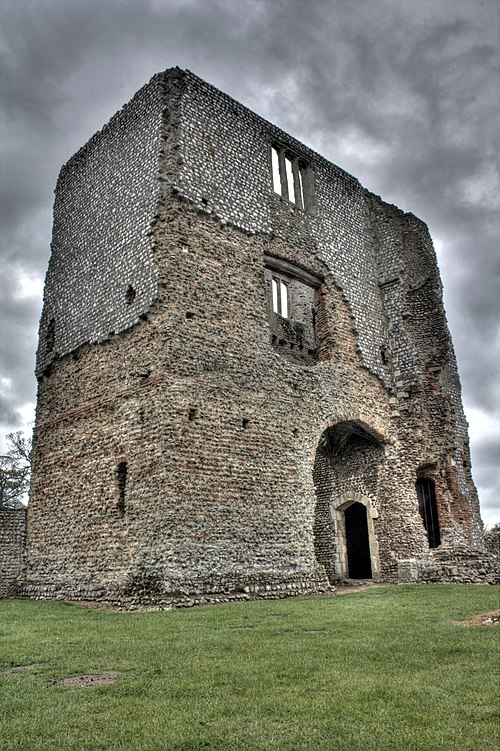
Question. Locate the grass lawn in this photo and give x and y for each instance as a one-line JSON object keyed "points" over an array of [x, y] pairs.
{"points": [[384, 668]]}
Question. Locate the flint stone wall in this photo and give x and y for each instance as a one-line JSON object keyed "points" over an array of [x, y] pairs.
{"points": [[12, 549], [175, 438]]}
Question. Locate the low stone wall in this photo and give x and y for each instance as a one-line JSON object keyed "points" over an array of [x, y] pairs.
{"points": [[461, 566], [12, 549]]}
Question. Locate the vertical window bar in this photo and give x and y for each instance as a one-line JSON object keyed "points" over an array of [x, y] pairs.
{"points": [[297, 184], [303, 183], [281, 160], [274, 287]]}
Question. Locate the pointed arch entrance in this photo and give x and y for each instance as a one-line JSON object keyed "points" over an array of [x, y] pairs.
{"points": [[346, 468]]}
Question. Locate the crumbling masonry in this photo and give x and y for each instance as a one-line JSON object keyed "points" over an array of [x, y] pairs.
{"points": [[246, 380]]}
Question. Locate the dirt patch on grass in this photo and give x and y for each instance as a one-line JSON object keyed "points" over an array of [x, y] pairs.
{"points": [[20, 669], [485, 619], [84, 681], [350, 586]]}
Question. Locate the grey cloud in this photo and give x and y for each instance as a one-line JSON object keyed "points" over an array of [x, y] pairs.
{"points": [[9, 416], [403, 95]]}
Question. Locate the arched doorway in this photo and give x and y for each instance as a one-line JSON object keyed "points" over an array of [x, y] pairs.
{"points": [[357, 542], [346, 481], [427, 507]]}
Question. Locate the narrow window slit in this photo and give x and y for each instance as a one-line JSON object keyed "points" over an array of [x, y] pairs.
{"points": [[130, 295], [121, 476]]}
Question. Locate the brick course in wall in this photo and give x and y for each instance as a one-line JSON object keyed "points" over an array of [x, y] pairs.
{"points": [[188, 436]]}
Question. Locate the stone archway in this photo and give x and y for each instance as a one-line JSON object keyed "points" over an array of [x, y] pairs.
{"points": [[345, 476]]}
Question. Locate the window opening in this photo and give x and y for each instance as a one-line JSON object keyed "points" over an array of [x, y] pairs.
{"points": [[427, 507], [121, 475], [280, 297], [276, 171], [289, 179], [284, 299], [292, 178], [130, 295]]}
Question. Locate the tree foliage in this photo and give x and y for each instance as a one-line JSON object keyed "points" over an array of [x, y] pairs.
{"points": [[15, 470]]}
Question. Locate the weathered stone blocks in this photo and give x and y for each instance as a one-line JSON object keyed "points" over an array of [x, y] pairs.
{"points": [[196, 433]]}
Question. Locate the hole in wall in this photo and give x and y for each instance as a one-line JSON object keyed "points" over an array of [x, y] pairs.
{"points": [[121, 478], [192, 414], [189, 314], [245, 422], [130, 295]]}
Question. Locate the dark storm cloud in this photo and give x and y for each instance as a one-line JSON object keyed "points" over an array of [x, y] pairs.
{"points": [[403, 95]]}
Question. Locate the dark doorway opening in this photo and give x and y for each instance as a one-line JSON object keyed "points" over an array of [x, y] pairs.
{"points": [[428, 511], [357, 542]]}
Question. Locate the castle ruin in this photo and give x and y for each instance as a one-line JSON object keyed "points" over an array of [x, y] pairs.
{"points": [[246, 379]]}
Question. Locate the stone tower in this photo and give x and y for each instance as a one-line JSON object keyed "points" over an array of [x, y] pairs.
{"points": [[246, 379]]}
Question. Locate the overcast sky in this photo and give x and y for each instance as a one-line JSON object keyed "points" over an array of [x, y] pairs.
{"points": [[404, 94]]}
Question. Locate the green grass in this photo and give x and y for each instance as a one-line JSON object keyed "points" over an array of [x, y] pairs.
{"points": [[385, 668]]}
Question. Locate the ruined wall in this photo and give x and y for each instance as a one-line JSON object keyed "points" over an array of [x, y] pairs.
{"points": [[102, 274], [426, 389], [12, 549], [179, 449], [226, 170], [219, 492]]}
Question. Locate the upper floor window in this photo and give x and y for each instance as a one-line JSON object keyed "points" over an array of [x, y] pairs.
{"points": [[292, 178], [279, 290], [291, 301]]}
